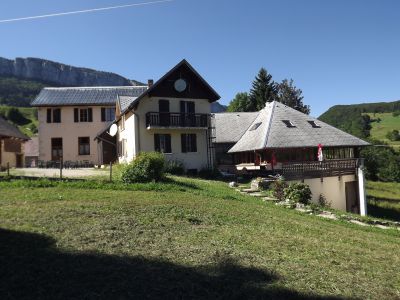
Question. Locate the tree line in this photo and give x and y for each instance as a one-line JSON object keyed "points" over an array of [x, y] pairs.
{"points": [[264, 90]]}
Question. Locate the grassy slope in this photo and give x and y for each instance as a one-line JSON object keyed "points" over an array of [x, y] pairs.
{"points": [[193, 239], [388, 123], [384, 199], [29, 113]]}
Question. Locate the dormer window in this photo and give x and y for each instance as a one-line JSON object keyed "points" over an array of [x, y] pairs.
{"points": [[288, 123], [255, 126], [313, 124]]}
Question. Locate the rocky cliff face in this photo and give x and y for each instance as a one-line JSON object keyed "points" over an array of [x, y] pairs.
{"points": [[59, 74]]}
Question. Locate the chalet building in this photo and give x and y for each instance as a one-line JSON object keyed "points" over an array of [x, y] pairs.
{"points": [[71, 117], [171, 116], [11, 145], [281, 140]]}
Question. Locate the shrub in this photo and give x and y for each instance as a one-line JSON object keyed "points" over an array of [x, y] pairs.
{"points": [[323, 202], [396, 113], [175, 167], [278, 188], [147, 166], [298, 192]]}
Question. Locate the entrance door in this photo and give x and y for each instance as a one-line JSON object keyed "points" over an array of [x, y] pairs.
{"points": [[163, 108], [18, 160], [352, 203], [56, 149]]}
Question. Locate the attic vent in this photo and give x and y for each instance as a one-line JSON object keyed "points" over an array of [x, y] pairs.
{"points": [[255, 126], [288, 123], [313, 124]]}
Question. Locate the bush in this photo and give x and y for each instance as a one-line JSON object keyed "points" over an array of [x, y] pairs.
{"points": [[278, 188], [175, 167], [147, 166], [298, 192], [323, 202], [396, 113], [393, 135]]}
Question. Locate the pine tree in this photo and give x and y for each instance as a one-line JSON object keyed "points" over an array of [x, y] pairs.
{"points": [[263, 90], [241, 102], [291, 96]]}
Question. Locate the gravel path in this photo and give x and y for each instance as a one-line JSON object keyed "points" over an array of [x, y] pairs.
{"points": [[71, 173]]}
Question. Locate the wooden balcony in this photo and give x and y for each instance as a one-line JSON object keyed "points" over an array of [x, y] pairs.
{"points": [[176, 120], [316, 169]]}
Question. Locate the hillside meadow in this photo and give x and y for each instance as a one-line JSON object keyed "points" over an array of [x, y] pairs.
{"points": [[185, 238]]}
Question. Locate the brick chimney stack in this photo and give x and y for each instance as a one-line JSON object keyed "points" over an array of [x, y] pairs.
{"points": [[150, 82]]}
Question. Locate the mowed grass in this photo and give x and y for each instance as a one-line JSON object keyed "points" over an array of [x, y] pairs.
{"points": [[384, 199], [388, 123], [185, 239]]}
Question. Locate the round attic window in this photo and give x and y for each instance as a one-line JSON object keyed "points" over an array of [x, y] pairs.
{"points": [[180, 85]]}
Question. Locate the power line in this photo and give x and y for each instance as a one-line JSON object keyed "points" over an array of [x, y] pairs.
{"points": [[83, 11]]}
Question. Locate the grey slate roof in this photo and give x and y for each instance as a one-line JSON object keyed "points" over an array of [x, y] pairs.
{"points": [[229, 127], [125, 101], [273, 133], [8, 130], [85, 95]]}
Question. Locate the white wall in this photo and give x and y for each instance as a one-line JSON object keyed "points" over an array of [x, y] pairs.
{"points": [[332, 188]]}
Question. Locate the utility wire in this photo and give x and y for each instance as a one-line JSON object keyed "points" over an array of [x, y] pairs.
{"points": [[83, 11]]}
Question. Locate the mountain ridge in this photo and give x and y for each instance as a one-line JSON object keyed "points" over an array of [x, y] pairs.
{"points": [[43, 70]]}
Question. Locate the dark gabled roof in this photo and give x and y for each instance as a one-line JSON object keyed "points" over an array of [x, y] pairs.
{"points": [[273, 132], [8, 130], [68, 96], [213, 95]]}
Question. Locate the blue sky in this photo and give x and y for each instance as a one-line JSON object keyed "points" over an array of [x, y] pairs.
{"points": [[337, 52]]}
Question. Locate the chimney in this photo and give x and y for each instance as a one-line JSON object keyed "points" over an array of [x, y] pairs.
{"points": [[150, 82]]}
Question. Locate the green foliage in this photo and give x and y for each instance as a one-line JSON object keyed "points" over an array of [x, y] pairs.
{"points": [[263, 90], [396, 113], [393, 135], [18, 92], [25, 118], [278, 188], [174, 167], [288, 94], [353, 118], [381, 163], [146, 167], [298, 193], [322, 201], [241, 102]]}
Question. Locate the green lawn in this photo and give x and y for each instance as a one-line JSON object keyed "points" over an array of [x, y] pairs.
{"points": [[183, 239], [380, 129], [384, 200]]}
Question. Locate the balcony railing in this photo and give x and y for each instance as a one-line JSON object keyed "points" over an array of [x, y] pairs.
{"points": [[167, 119], [316, 169]]}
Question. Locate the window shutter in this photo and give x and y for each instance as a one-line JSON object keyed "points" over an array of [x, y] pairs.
{"points": [[157, 142], [49, 115], [168, 142], [183, 143], [103, 114], [76, 115], [193, 142], [90, 115]]}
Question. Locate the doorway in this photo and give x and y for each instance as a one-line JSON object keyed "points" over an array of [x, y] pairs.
{"points": [[352, 203], [56, 149]]}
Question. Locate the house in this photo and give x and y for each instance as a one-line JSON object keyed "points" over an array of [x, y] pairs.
{"points": [[11, 145], [282, 140], [70, 118], [171, 116]]}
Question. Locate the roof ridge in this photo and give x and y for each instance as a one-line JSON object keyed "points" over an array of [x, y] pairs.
{"points": [[269, 123]]}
